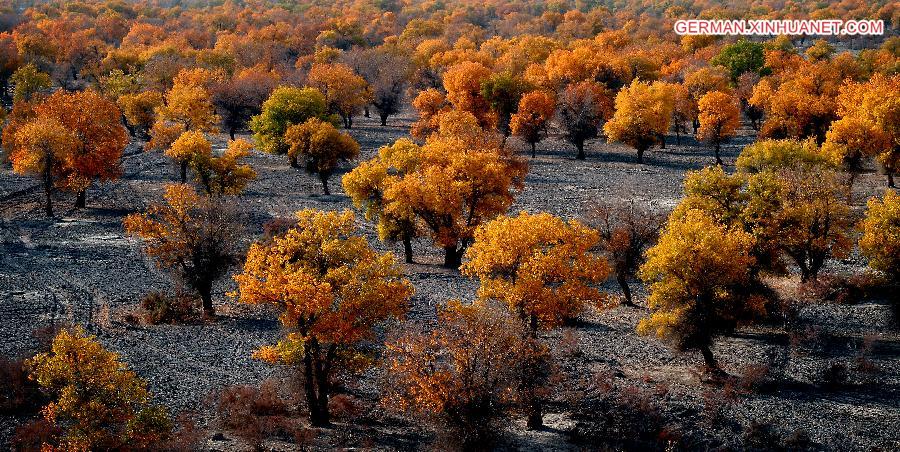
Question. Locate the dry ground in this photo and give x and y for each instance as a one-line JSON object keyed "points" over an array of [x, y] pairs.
{"points": [[80, 267]]}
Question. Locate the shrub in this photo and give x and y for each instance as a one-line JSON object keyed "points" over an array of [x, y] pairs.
{"points": [[159, 308], [255, 414], [18, 394]]}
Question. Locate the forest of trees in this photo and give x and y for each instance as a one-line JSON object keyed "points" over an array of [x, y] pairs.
{"points": [[84, 82]]}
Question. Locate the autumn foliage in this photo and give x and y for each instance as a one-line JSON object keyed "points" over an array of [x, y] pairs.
{"points": [[463, 180], [97, 138], [96, 402], [719, 118], [880, 242], [194, 237], [319, 147], [698, 277], [332, 289], [643, 115], [462, 374], [532, 118], [366, 186]]}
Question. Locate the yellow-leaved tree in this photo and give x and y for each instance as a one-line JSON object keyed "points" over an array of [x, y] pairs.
{"points": [[880, 242], [698, 276], [43, 148], [544, 269], [869, 124], [366, 186], [96, 402], [224, 174], [463, 179], [191, 145], [139, 110], [320, 147], [332, 289], [643, 115]]}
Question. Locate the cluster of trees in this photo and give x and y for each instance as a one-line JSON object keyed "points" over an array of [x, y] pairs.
{"points": [[83, 77]]}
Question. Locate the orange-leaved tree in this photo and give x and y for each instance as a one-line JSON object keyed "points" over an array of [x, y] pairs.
{"points": [[463, 179], [366, 186], [429, 104], [100, 137], [345, 91], [320, 147], [463, 83], [195, 237], [332, 289], [544, 269], [719, 118], [43, 148], [462, 374], [96, 402], [532, 118], [869, 124]]}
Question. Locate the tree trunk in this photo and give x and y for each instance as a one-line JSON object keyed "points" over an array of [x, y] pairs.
{"points": [[718, 159], [184, 166], [533, 150], [324, 180], [581, 155], [535, 415], [383, 119], [323, 386], [366, 111], [640, 156], [452, 257], [623, 283], [48, 190], [662, 140], [206, 299], [309, 386], [231, 131], [534, 404], [850, 182], [890, 179], [708, 358], [678, 136], [81, 199], [407, 248], [4, 90]]}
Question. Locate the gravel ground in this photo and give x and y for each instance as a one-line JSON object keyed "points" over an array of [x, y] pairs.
{"points": [[80, 267]]}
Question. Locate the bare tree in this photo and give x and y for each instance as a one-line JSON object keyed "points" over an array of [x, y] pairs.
{"points": [[627, 231]]}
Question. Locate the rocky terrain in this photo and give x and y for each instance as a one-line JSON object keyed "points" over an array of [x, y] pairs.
{"points": [[80, 267]]}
